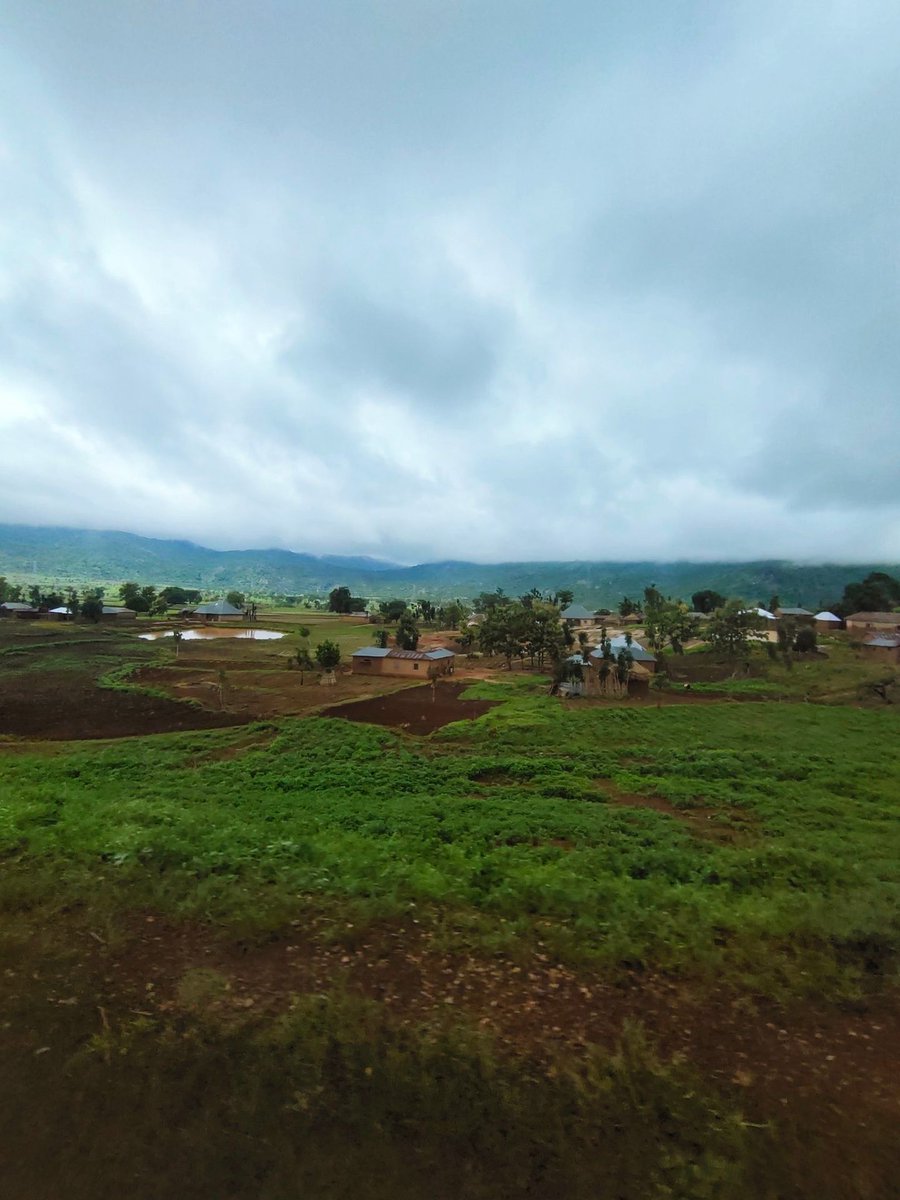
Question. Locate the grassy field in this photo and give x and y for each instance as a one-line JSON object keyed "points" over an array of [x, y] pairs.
{"points": [[562, 950]]}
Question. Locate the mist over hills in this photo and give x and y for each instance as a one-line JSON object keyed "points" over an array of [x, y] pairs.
{"points": [[79, 556]]}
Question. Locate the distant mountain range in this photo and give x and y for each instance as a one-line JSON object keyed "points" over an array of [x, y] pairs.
{"points": [[77, 556]]}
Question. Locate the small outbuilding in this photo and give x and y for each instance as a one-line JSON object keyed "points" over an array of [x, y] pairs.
{"points": [[427, 664], [14, 608], [63, 613], [828, 622], [216, 609], [883, 648]]}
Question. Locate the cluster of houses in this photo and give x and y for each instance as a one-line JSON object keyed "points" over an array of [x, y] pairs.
{"points": [[211, 611]]}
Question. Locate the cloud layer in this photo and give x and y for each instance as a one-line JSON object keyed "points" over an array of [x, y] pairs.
{"points": [[504, 281]]}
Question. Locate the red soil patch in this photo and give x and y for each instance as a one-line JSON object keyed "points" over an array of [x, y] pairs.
{"points": [[415, 709], [64, 706]]}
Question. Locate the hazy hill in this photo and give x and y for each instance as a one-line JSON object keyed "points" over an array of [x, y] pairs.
{"points": [[64, 556]]}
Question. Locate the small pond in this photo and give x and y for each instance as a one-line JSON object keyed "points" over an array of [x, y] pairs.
{"points": [[202, 635]]}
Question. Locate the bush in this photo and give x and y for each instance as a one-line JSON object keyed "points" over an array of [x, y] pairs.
{"points": [[805, 641]]}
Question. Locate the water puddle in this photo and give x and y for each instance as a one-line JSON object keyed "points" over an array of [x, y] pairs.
{"points": [[203, 635]]}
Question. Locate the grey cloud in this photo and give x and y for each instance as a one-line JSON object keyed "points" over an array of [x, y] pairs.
{"points": [[429, 280]]}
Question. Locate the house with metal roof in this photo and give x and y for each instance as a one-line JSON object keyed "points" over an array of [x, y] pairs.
{"points": [[425, 664], [873, 623], [828, 622], [801, 615], [576, 616], [14, 608], [641, 657], [214, 609], [882, 647], [116, 612]]}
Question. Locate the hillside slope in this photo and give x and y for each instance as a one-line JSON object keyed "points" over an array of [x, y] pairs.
{"points": [[77, 556]]}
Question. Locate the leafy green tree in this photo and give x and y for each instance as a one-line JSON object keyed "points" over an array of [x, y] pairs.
{"points": [[564, 598], [92, 605], [627, 607], [485, 602], [407, 634], [734, 628], [878, 592], [4, 585], [805, 641], [340, 600], [73, 603], [427, 610], [452, 615], [392, 610], [236, 599], [328, 655], [173, 595], [130, 593], [303, 660], [542, 632], [381, 638], [503, 631], [707, 601], [34, 595], [667, 622]]}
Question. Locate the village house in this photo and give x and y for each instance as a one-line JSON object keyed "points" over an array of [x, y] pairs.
{"points": [[576, 616], [642, 658], [215, 609], [427, 664], [828, 622], [63, 613], [115, 612], [883, 648], [802, 616], [24, 612], [864, 623]]}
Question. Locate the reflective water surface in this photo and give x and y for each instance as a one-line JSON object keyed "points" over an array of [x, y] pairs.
{"points": [[201, 635]]}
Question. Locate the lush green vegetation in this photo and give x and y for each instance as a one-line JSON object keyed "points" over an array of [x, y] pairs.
{"points": [[501, 829], [740, 849]]}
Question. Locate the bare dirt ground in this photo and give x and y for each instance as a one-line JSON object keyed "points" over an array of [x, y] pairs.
{"points": [[827, 1076], [416, 710]]}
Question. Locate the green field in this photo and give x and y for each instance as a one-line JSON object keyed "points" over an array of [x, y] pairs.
{"points": [[739, 856]]}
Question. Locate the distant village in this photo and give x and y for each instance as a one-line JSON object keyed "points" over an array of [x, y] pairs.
{"points": [[586, 650]]}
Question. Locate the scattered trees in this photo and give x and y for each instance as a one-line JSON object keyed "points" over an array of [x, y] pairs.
{"points": [[236, 599], [392, 610], [667, 622]]}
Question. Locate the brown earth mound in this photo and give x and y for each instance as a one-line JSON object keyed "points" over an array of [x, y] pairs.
{"points": [[416, 709]]}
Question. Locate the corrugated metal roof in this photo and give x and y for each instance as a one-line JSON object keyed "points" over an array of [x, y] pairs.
{"points": [[576, 612], [827, 616], [421, 655], [217, 608], [885, 642], [761, 612], [638, 653], [440, 652], [61, 611], [371, 652], [795, 612], [18, 606], [886, 618]]}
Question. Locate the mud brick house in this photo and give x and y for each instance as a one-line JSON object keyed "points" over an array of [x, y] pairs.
{"points": [[24, 612], [802, 616], [882, 648], [115, 612], [828, 622], [427, 664], [868, 623]]}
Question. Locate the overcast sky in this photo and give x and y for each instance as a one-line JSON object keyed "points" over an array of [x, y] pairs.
{"points": [[431, 278]]}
